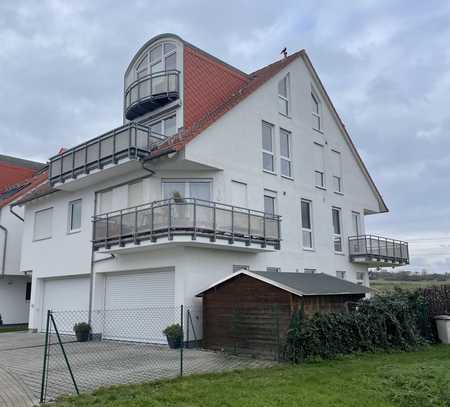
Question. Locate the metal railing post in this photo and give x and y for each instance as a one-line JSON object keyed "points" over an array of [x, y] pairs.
{"points": [[120, 227], [169, 228], [106, 232], [44, 368], [249, 229], [232, 225], [214, 223], [194, 236], [135, 225]]}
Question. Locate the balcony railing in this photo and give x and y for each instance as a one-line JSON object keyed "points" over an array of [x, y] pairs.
{"points": [[378, 250], [129, 141], [151, 91], [191, 217]]}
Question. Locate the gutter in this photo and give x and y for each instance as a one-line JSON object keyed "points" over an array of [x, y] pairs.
{"points": [[15, 214], [4, 251]]}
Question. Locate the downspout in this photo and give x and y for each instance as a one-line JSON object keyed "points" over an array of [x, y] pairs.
{"points": [[15, 214], [4, 251]]}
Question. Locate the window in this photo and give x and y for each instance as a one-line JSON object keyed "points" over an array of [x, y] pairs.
{"points": [[199, 189], [337, 229], [166, 127], [267, 146], [28, 291], [269, 202], [238, 267], [135, 194], [336, 169], [104, 201], [319, 165], [359, 275], [74, 216], [355, 224], [161, 57], [239, 194], [285, 153], [283, 95], [306, 224], [316, 119], [309, 271], [273, 269], [340, 274], [43, 224]]}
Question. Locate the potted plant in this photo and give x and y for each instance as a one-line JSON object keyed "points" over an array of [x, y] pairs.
{"points": [[174, 335], [82, 331], [177, 197]]}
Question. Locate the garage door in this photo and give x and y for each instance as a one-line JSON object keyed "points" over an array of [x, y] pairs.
{"points": [[70, 295], [138, 306]]}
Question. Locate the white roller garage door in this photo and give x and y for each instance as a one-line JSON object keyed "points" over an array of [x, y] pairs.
{"points": [[69, 295], [138, 306]]}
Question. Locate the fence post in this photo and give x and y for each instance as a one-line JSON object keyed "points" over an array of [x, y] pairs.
{"points": [[44, 368], [182, 339]]}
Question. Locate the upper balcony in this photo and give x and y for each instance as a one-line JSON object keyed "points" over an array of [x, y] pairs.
{"points": [[124, 144], [150, 92], [376, 251], [188, 222]]}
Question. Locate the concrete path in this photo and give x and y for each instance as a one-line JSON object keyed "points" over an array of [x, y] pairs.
{"points": [[12, 392]]}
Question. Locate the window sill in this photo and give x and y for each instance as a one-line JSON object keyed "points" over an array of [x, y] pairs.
{"points": [[339, 193], [285, 115], [322, 188], [339, 253], [270, 172], [73, 232], [43, 238], [287, 177], [309, 249], [318, 131]]}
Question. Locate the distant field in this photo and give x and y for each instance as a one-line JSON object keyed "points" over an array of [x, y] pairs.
{"points": [[386, 285]]}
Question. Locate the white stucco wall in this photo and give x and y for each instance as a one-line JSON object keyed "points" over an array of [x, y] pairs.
{"points": [[13, 306], [14, 240]]}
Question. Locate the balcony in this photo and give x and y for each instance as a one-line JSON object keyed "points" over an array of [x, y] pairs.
{"points": [[376, 251], [129, 142], [150, 92], [189, 222]]}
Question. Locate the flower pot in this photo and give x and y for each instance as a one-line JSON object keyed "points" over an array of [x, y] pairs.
{"points": [[82, 336], [174, 342]]}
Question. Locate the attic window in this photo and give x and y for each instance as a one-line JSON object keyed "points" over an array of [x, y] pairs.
{"points": [[316, 117], [283, 95], [162, 57]]}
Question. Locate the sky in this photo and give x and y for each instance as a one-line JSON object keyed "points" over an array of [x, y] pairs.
{"points": [[385, 64]]}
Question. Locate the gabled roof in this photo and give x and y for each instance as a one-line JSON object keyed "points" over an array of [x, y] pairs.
{"points": [[14, 170], [300, 284]]}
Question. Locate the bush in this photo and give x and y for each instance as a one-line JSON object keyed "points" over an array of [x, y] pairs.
{"points": [[173, 331], [394, 321], [82, 327]]}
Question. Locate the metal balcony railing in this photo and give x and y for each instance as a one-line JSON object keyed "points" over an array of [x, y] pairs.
{"points": [[377, 249], [189, 217], [129, 141], [151, 91]]}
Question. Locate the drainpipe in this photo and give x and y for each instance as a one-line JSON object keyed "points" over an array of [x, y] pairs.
{"points": [[4, 251], [15, 214]]}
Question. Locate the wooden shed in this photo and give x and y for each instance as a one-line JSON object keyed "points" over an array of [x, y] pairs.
{"points": [[250, 311]]}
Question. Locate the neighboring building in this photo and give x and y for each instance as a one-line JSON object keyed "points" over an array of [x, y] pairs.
{"points": [[214, 170], [15, 286]]}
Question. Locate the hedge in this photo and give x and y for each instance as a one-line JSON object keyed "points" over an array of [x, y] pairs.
{"points": [[401, 320]]}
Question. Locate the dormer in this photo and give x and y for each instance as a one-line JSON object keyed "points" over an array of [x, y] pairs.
{"points": [[153, 79]]}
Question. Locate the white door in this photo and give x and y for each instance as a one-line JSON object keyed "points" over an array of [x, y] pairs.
{"points": [[138, 306], [69, 299]]}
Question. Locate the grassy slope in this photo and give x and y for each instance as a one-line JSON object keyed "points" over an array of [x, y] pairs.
{"points": [[374, 380]]}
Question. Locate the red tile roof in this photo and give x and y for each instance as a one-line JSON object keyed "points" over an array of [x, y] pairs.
{"points": [[14, 170]]}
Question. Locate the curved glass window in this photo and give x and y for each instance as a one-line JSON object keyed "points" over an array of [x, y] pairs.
{"points": [[162, 57]]}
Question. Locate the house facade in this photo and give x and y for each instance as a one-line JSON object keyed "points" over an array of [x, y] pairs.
{"points": [[214, 170], [15, 285]]}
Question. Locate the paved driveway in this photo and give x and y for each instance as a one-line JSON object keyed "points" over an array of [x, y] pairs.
{"points": [[96, 364]]}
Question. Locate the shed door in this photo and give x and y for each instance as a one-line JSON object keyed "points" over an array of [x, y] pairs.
{"points": [[138, 306]]}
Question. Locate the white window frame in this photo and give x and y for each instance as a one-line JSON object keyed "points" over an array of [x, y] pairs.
{"points": [[272, 195], [304, 229], [187, 182], [341, 274], [70, 216], [357, 216], [321, 174], [360, 274], [288, 95], [163, 58], [337, 235], [264, 151], [163, 124], [51, 225], [337, 178], [286, 158], [316, 115]]}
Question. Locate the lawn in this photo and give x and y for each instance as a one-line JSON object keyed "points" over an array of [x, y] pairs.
{"points": [[410, 379], [14, 328], [387, 285]]}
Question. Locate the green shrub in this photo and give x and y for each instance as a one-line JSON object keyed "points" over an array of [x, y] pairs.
{"points": [[394, 321], [82, 327], [173, 331]]}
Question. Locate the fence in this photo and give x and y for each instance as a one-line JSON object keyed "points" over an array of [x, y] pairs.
{"points": [[128, 346]]}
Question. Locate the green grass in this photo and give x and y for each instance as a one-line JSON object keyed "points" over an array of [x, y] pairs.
{"points": [[410, 379], [387, 285], [15, 328]]}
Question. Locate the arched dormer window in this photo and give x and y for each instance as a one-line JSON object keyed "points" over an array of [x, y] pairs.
{"points": [[162, 57]]}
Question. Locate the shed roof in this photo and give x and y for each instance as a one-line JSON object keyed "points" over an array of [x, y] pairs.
{"points": [[300, 284]]}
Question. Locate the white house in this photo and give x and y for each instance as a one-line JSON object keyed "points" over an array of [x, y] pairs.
{"points": [[214, 170], [15, 285]]}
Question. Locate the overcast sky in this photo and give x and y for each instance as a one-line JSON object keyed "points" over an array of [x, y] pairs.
{"points": [[385, 64]]}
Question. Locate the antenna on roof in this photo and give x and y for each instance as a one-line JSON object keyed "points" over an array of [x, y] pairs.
{"points": [[284, 52]]}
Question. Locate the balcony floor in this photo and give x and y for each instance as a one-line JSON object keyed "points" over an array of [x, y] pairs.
{"points": [[371, 261], [201, 241]]}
